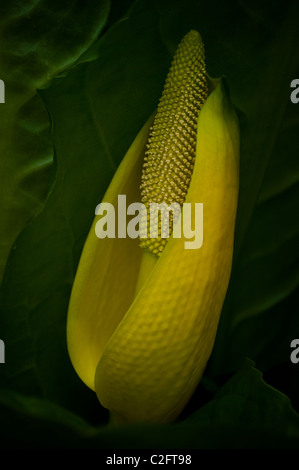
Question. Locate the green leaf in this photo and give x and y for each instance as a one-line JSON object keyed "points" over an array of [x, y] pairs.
{"points": [[96, 114], [245, 413], [260, 314], [37, 42]]}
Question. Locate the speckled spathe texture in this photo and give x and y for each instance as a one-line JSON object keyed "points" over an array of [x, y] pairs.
{"points": [[141, 327]]}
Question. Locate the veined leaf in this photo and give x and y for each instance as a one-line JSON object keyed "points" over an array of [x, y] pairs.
{"points": [[37, 42], [245, 413], [92, 128]]}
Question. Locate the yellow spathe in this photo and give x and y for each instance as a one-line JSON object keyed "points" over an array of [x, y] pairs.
{"points": [[140, 328]]}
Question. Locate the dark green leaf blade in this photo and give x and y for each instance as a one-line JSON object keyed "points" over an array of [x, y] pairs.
{"points": [[96, 114], [38, 40], [246, 413]]}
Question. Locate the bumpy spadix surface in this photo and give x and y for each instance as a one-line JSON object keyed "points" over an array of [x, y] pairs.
{"points": [[170, 153]]}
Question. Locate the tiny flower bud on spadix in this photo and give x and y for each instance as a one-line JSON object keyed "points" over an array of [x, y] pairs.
{"points": [[170, 154], [142, 321]]}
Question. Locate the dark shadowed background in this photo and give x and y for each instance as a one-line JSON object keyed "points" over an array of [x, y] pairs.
{"points": [[81, 79]]}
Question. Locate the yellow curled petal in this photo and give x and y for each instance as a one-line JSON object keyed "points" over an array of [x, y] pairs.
{"points": [[155, 358], [105, 282]]}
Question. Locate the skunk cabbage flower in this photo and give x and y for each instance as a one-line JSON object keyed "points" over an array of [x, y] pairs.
{"points": [[143, 314]]}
